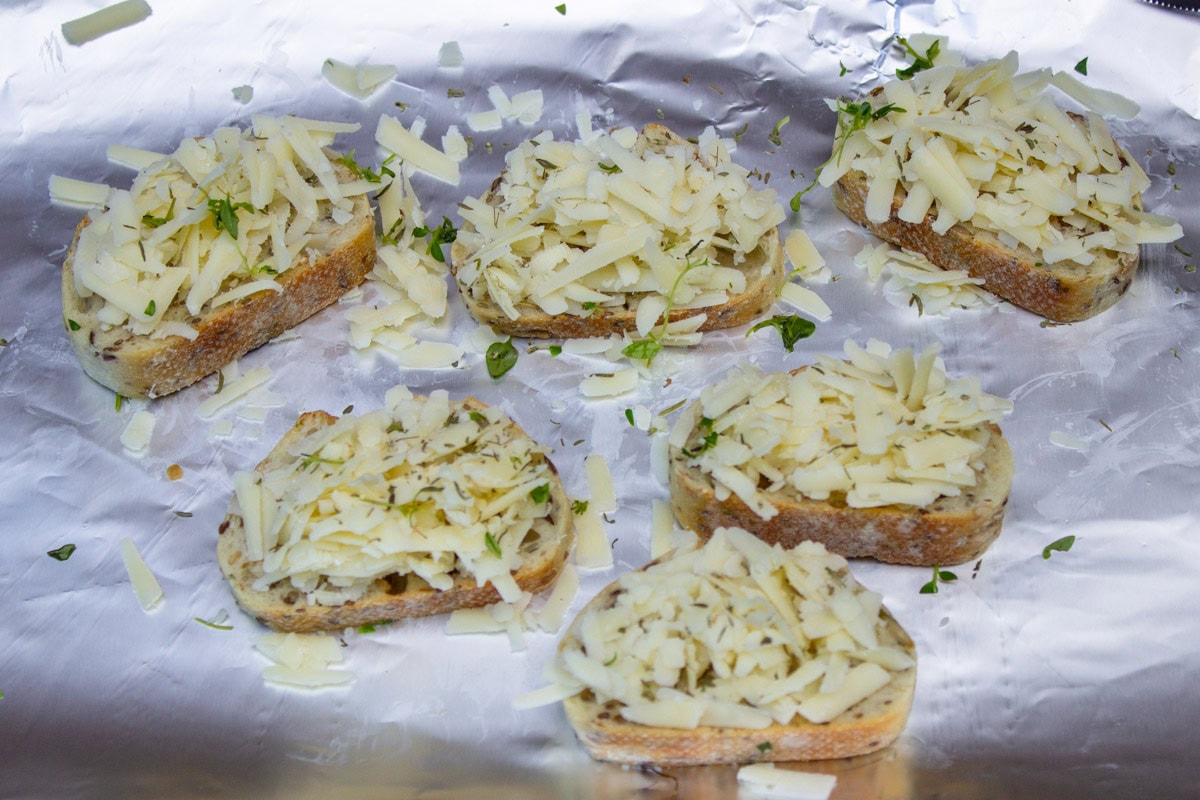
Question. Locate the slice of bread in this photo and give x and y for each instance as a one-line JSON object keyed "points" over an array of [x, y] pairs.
{"points": [[946, 529], [866, 726], [949, 531], [763, 268], [1066, 291], [543, 552], [140, 366]]}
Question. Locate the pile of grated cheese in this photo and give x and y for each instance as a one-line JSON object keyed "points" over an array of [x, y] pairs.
{"points": [[989, 147], [735, 633], [168, 240], [578, 226], [424, 487], [910, 278], [881, 427]]}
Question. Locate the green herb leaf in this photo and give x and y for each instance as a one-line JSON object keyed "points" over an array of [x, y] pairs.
{"points": [[311, 460], [455, 93], [492, 545], [150, 309], [643, 349], [120, 398], [183, 514], [216, 626], [500, 358], [915, 299], [157, 222], [72, 324], [920, 61], [544, 164], [561, 8], [740, 132], [939, 576], [611, 169], [368, 628], [709, 440], [764, 747], [61, 553], [1058, 545], [843, 69], [366, 174], [629, 416], [611, 661], [540, 494], [1081, 66], [579, 506], [478, 417], [589, 305], [792, 328], [555, 349], [224, 213], [443, 234], [773, 137]]}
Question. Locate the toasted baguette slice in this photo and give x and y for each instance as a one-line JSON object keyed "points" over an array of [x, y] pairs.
{"points": [[949, 531], [140, 366], [1065, 291], [394, 596], [944, 529], [763, 268], [867, 726]]}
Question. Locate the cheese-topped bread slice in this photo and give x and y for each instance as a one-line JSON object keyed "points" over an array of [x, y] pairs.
{"points": [[619, 232], [879, 454], [736, 651], [214, 250], [977, 169], [420, 508]]}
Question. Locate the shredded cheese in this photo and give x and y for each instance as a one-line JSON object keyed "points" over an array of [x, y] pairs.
{"points": [[578, 226], [735, 633], [424, 487], [880, 427], [987, 146], [211, 223]]}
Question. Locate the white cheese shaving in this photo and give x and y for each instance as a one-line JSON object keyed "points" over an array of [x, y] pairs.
{"points": [[359, 81], [303, 661], [450, 55], [393, 137], [1064, 439], [609, 385], [145, 585], [136, 436], [233, 390], [132, 157], [106, 20], [910, 279], [72, 192], [592, 550], [787, 783], [602, 495]]}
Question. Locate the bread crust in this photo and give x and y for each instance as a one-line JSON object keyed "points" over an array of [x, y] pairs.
{"points": [[395, 597], [763, 267], [139, 366], [866, 727]]}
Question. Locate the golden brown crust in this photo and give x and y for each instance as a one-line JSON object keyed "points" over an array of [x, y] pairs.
{"points": [[138, 366], [763, 267], [866, 727], [1064, 292], [398, 597]]}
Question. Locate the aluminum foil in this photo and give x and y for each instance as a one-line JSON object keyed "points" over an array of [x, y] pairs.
{"points": [[1063, 677]]}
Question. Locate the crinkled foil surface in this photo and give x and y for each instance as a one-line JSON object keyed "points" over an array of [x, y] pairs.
{"points": [[1069, 677]]}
